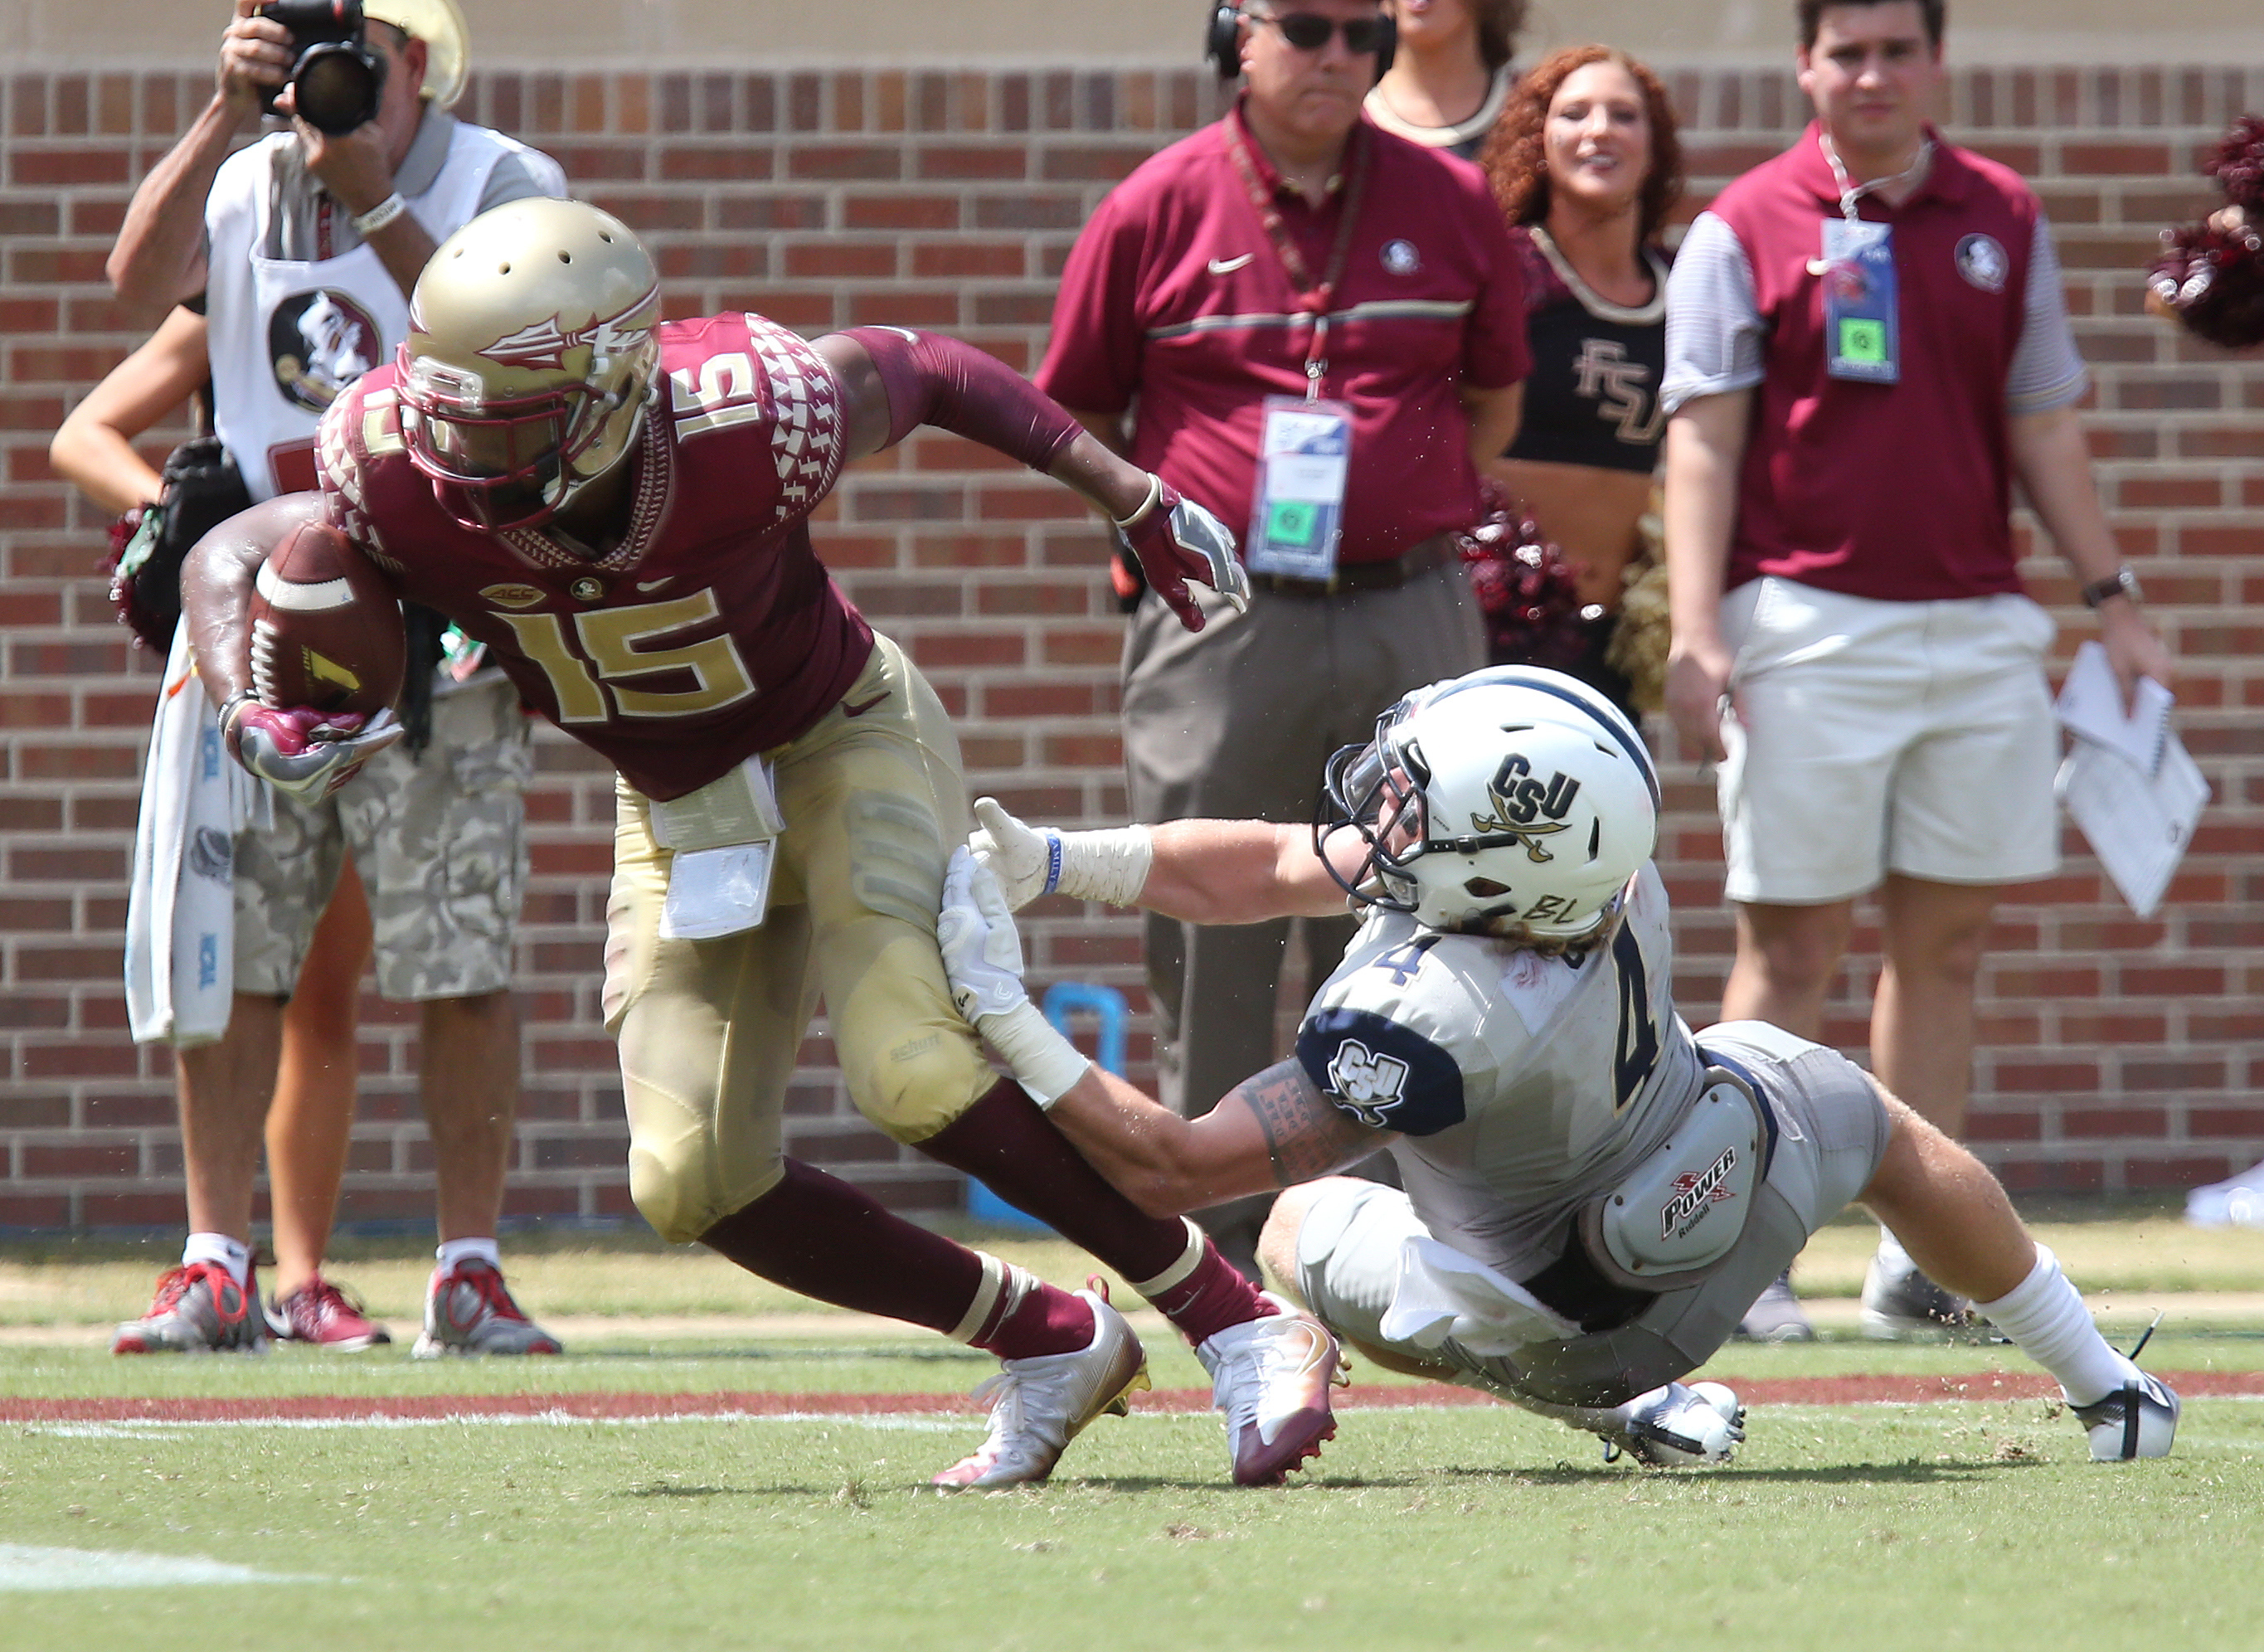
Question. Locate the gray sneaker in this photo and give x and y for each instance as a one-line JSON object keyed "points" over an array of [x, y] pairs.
{"points": [[1776, 1317], [470, 1311], [200, 1308], [2139, 1419], [1900, 1304]]}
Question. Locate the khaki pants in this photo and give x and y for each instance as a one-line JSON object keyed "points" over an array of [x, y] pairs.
{"points": [[1235, 722], [710, 1032]]}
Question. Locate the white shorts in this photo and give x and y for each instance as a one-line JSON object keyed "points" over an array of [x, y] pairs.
{"points": [[1871, 737]]}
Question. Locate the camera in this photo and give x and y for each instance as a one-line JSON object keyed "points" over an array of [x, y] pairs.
{"points": [[335, 76]]}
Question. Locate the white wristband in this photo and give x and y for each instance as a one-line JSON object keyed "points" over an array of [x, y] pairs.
{"points": [[1044, 1062], [368, 223], [1109, 866]]}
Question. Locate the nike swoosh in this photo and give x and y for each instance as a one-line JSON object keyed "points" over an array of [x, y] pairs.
{"points": [[653, 584], [1227, 266], [858, 711]]}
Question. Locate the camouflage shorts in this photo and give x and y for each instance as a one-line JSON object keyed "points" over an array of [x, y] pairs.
{"points": [[439, 842]]}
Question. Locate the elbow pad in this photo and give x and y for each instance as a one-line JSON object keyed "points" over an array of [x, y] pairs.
{"points": [[934, 380]]}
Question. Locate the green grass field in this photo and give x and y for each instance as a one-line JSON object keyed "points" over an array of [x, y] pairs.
{"points": [[1882, 1526]]}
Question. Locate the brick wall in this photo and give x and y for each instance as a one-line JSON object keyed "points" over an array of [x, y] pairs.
{"points": [[2118, 1054]]}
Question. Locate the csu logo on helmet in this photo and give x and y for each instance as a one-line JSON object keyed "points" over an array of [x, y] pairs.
{"points": [[1370, 1084], [1527, 808]]}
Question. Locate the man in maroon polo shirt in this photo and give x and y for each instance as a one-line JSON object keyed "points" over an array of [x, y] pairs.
{"points": [[1280, 287], [1866, 344]]}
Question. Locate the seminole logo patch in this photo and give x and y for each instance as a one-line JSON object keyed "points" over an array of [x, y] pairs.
{"points": [[319, 343], [1370, 1084], [1981, 260], [1525, 807], [1696, 1192]]}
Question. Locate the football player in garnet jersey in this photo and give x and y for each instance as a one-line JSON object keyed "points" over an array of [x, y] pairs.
{"points": [[1593, 1194], [618, 508]]}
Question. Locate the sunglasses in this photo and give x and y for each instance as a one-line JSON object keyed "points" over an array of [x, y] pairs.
{"points": [[1309, 31]]}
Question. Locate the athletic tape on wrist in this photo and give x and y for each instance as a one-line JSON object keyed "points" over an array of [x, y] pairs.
{"points": [[1053, 861], [1043, 1062]]}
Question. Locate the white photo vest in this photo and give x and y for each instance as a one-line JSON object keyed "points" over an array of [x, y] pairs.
{"points": [[286, 336]]}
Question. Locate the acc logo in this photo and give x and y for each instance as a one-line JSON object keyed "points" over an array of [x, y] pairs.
{"points": [[319, 343], [1400, 257], [512, 596], [1520, 801], [1981, 260], [1370, 1083], [1696, 1192]]}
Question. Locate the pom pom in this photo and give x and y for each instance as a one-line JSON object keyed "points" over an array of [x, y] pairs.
{"points": [[2238, 166], [1526, 590], [2212, 278]]}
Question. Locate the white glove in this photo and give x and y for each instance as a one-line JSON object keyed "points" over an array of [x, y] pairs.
{"points": [[1029, 861], [301, 751], [983, 957]]}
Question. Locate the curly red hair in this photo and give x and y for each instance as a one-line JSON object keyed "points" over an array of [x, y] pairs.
{"points": [[1513, 157]]}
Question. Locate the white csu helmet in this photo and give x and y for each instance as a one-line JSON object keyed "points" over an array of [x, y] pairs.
{"points": [[530, 360], [1514, 801]]}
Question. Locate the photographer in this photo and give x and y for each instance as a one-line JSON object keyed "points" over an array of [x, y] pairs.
{"points": [[307, 244]]}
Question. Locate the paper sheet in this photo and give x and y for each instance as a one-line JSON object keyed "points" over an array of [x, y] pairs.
{"points": [[2090, 707], [2138, 824]]}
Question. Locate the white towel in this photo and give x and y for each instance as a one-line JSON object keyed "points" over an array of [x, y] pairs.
{"points": [[180, 913], [1441, 1294]]}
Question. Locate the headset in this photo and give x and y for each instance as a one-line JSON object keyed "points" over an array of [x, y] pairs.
{"points": [[1223, 40]]}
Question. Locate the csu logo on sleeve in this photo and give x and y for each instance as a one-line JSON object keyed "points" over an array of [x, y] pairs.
{"points": [[1370, 1084]]}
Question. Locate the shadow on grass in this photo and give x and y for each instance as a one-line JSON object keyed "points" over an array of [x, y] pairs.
{"points": [[1908, 1473]]}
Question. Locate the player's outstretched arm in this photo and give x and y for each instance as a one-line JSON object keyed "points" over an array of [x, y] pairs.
{"points": [[1203, 871], [894, 380], [1269, 1132]]}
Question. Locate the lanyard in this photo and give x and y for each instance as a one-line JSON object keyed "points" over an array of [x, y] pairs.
{"points": [[1315, 297], [1851, 194]]}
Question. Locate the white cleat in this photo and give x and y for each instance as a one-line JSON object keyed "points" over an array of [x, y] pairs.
{"points": [[1038, 1405], [1677, 1426], [2138, 1419], [1271, 1376]]}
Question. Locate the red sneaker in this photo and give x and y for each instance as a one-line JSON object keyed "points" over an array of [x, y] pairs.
{"points": [[320, 1313], [200, 1308]]}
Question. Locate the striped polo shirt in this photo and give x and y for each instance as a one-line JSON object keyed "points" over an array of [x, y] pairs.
{"points": [[1900, 492]]}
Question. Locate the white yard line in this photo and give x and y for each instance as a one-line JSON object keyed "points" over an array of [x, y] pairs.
{"points": [[25, 1568]]}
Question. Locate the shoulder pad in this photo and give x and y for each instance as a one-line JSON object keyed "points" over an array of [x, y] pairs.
{"points": [[1388, 1076]]}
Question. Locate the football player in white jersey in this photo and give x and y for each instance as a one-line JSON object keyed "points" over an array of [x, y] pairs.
{"points": [[1593, 1194]]}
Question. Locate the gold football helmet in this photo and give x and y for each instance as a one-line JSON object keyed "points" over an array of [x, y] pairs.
{"points": [[530, 360]]}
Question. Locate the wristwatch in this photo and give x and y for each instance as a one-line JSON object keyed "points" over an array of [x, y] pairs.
{"points": [[2121, 583]]}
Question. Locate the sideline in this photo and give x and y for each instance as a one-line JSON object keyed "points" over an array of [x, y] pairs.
{"points": [[615, 1406]]}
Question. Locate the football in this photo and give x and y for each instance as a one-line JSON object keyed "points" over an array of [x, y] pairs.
{"points": [[326, 631]]}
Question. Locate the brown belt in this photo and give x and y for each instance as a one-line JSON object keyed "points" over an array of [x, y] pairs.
{"points": [[1419, 557]]}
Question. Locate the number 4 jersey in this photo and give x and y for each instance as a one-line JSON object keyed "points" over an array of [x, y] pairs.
{"points": [[711, 631], [1521, 1084]]}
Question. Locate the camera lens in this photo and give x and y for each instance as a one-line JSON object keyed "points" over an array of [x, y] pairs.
{"points": [[336, 89]]}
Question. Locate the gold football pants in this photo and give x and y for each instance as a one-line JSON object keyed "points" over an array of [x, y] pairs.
{"points": [[710, 1032]]}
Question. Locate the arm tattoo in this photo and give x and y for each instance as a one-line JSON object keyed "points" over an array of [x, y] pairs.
{"points": [[1305, 1137]]}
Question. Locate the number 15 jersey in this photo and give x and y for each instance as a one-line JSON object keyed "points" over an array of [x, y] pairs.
{"points": [[712, 632], [1521, 1084]]}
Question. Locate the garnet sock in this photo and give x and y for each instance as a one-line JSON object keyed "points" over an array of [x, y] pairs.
{"points": [[816, 1234], [1006, 1141]]}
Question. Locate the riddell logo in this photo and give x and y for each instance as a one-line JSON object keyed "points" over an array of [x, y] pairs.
{"points": [[1696, 1192]]}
